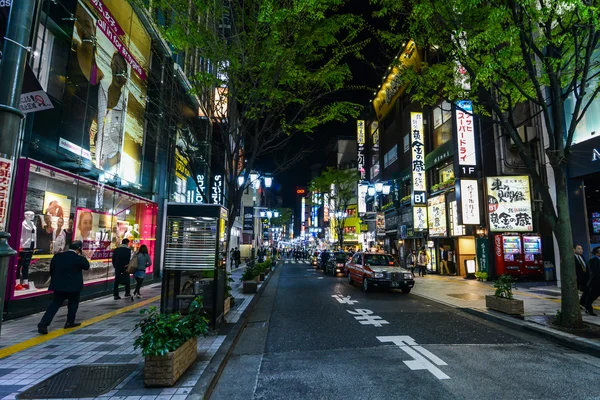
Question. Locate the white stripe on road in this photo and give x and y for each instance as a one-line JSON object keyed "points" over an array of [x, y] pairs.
{"points": [[410, 347]]}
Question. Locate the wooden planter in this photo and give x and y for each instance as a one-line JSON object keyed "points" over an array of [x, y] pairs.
{"points": [[249, 287], [507, 306], [165, 370], [227, 305]]}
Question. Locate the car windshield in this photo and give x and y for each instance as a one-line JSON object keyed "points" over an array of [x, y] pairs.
{"points": [[379, 260], [341, 257]]}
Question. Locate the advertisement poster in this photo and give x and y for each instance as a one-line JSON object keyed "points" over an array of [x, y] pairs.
{"points": [[5, 178], [56, 205], [380, 223], [509, 204], [97, 231], [436, 210], [106, 88]]}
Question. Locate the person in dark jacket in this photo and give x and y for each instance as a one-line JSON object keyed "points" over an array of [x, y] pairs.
{"points": [[594, 283], [120, 259], [583, 276], [66, 274], [143, 262]]}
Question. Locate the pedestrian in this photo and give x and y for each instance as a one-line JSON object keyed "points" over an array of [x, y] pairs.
{"points": [[143, 262], [237, 257], [444, 260], [583, 276], [594, 282], [422, 261], [411, 260], [120, 259], [66, 280]]}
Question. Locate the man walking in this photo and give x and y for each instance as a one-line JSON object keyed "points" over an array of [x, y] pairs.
{"points": [[583, 276], [120, 260], [237, 257], [594, 283], [67, 282]]}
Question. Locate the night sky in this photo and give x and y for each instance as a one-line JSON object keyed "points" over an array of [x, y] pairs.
{"points": [[367, 73]]}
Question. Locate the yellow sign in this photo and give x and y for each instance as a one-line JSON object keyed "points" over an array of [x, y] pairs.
{"points": [[360, 131], [392, 87]]}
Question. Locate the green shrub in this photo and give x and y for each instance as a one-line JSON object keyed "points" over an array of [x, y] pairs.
{"points": [[249, 273], [481, 275], [164, 333], [504, 286]]}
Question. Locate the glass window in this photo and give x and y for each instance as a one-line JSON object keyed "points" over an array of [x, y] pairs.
{"points": [[445, 173], [379, 260], [42, 55]]}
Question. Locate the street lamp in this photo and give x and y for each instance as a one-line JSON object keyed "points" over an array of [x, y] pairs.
{"points": [[240, 180], [268, 181], [371, 191], [269, 214], [263, 214], [379, 187], [387, 188], [275, 213]]}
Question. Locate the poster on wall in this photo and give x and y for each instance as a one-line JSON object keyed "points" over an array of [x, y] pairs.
{"points": [[509, 204], [56, 205], [380, 223], [98, 231], [106, 88], [436, 212], [419, 218]]}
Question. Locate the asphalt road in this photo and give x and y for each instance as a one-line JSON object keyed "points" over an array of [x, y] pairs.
{"points": [[303, 343]]}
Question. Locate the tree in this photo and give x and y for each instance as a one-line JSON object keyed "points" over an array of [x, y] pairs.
{"points": [[270, 69], [542, 53], [340, 185]]}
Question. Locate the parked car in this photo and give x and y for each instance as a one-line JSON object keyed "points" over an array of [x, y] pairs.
{"points": [[378, 270], [337, 263]]}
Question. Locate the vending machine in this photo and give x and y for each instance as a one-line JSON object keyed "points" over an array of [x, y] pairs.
{"points": [[533, 262], [509, 254]]}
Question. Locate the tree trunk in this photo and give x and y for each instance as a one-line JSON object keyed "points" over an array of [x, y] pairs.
{"points": [[570, 313]]}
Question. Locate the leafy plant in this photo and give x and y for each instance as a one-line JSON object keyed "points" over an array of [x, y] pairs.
{"points": [[228, 288], [405, 198], [249, 273], [482, 275], [435, 187], [164, 333], [504, 286], [387, 206]]}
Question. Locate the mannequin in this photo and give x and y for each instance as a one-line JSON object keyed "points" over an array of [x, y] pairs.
{"points": [[135, 233], [28, 239]]}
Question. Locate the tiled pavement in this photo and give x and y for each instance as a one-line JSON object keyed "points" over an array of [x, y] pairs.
{"points": [[107, 342]]}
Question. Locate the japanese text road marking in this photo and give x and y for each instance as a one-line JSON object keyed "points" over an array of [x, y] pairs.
{"points": [[418, 353], [344, 300], [366, 317]]}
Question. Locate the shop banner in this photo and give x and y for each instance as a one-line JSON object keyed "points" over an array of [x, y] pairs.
{"points": [[99, 232], [107, 17], [380, 224], [248, 220], [509, 204], [419, 185], [5, 179], [122, 49], [436, 211], [362, 199], [419, 218], [483, 254], [465, 133], [467, 197]]}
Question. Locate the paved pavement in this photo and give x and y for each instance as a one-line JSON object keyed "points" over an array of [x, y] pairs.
{"points": [[313, 336], [106, 337]]}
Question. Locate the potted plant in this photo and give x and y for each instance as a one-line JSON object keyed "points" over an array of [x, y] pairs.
{"points": [[261, 270], [481, 275], [169, 342], [249, 284], [502, 300]]}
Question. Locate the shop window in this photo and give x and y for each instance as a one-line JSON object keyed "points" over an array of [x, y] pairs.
{"points": [[42, 54], [59, 208], [445, 173], [442, 134]]}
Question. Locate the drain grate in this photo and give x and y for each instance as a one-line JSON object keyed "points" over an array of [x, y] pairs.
{"points": [[80, 381]]}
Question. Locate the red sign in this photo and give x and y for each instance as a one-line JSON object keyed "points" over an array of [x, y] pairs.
{"points": [[5, 175], [300, 191], [108, 17]]}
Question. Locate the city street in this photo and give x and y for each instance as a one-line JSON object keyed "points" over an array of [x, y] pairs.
{"points": [[313, 336]]}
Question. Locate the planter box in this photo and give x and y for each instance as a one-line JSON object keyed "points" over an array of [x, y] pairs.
{"points": [[227, 306], [262, 276], [165, 370], [249, 287], [507, 306]]}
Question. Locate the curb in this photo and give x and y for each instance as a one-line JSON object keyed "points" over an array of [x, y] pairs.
{"points": [[562, 338], [209, 378]]}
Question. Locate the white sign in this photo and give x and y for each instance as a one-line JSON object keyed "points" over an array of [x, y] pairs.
{"points": [[73, 148], [455, 228], [465, 134], [469, 201], [422, 358], [366, 317], [360, 131], [418, 159], [509, 204], [436, 215], [362, 198], [419, 218], [303, 210], [35, 101], [217, 189]]}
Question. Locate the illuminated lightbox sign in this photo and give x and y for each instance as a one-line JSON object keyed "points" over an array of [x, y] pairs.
{"points": [[436, 213], [362, 198], [469, 202], [509, 204], [419, 218], [217, 190], [419, 183]]}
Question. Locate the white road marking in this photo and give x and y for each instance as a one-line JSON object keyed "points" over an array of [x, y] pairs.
{"points": [[320, 277], [366, 317], [344, 300], [418, 353]]}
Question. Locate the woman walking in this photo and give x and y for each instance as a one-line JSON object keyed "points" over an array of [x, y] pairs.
{"points": [[143, 261]]}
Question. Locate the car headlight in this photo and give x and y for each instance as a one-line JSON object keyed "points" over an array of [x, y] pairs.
{"points": [[408, 276], [379, 275]]}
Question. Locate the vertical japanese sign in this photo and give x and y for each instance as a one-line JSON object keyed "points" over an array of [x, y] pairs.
{"points": [[302, 210], [483, 254], [436, 213], [362, 198], [360, 145], [5, 178], [217, 190], [468, 197], [380, 224], [419, 218], [325, 207], [418, 159], [456, 229], [465, 135], [248, 220], [509, 204]]}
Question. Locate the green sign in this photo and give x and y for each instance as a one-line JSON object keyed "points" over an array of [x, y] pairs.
{"points": [[483, 255]]}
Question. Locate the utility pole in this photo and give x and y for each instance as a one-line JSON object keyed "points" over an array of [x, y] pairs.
{"points": [[12, 69]]}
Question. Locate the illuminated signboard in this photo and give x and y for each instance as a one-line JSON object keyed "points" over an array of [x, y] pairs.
{"points": [[302, 210], [436, 215], [509, 204], [455, 228], [419, 186], [360, 131], [325, 207], [419, 218], [465, 139], [362, 198], [300, 191], [360, 141], [468, 198], [217, 190]]}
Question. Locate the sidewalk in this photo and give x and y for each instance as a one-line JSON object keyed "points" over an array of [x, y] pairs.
{"points": [[105, 338], [541, 303]]}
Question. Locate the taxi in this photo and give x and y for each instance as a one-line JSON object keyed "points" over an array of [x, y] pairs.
{"points": [[314, 260], [373, 270]]}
